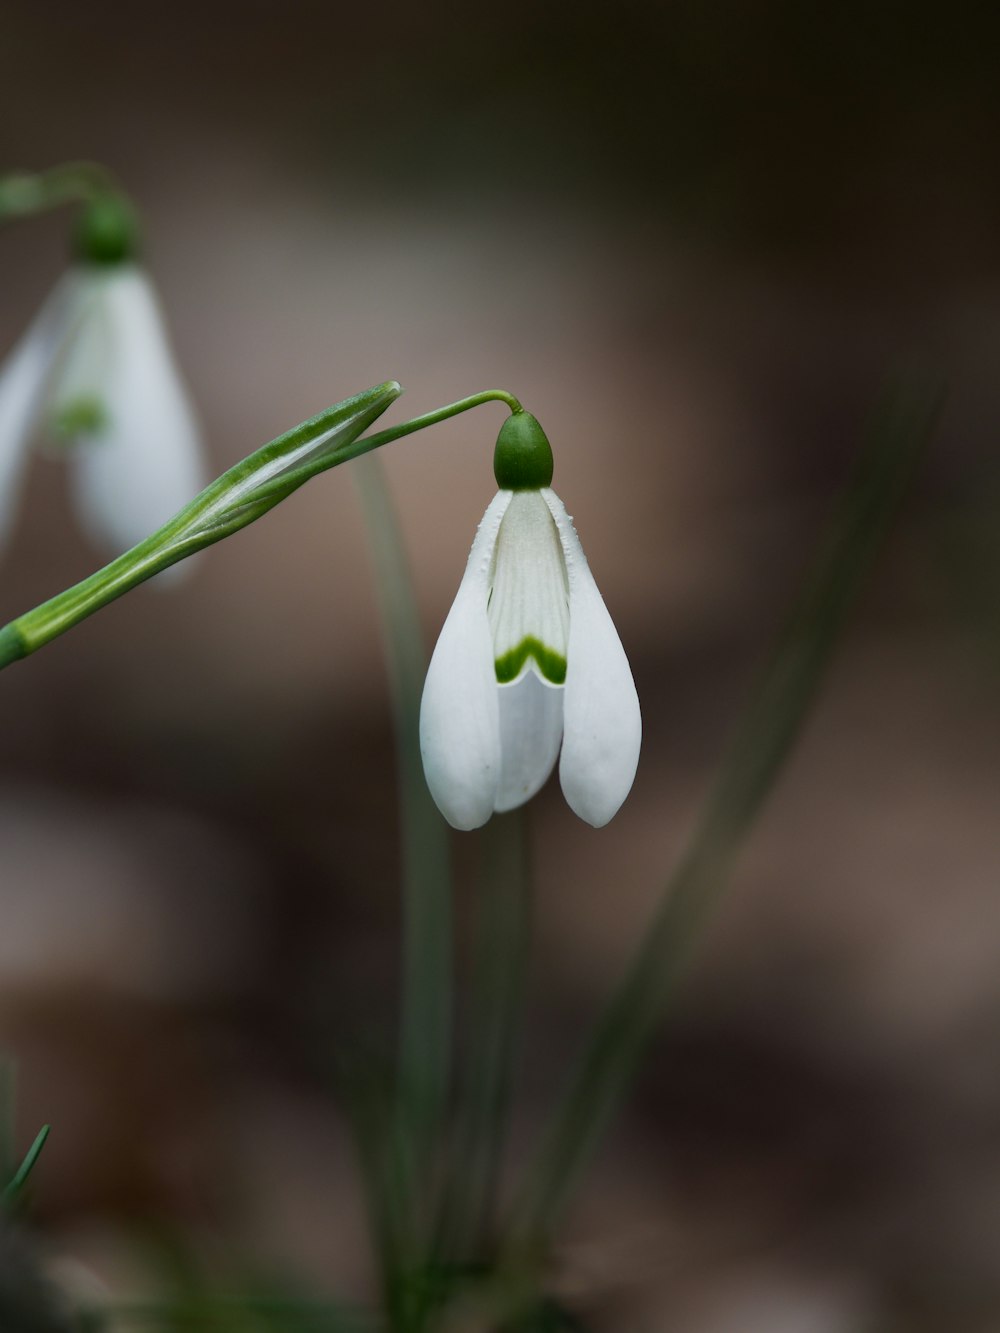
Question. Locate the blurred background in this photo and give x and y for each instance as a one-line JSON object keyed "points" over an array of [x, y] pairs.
{"points": [[694, 239]]}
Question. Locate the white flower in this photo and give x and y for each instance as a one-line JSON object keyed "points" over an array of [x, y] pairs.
{"points": [[95, 370], [528, 660]]}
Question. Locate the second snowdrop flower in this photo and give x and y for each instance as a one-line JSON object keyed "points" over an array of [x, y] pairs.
{"points": [[96, 374], [528, 662]]}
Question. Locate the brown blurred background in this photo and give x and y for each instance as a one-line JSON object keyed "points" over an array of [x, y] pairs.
{"points": [[694, 239]]}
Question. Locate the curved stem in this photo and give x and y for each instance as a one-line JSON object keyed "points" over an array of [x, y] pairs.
{"points": [[24, 193], [241, 495], [441, 414], [277, 489]]}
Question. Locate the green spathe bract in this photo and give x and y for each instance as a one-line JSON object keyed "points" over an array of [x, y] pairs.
{"points": [[522, 460], [241, 495], [238, 497], [551, 664]]}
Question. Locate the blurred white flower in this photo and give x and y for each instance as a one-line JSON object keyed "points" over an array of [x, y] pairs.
{"points": [[528, 660], [95, 373]]}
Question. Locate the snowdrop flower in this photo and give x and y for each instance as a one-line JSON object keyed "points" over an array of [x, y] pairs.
{"points": [[95, 374], [528, 661]]}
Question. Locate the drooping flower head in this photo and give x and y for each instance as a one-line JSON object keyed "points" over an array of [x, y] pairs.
{"points": [[95, 375], [528, 662]]}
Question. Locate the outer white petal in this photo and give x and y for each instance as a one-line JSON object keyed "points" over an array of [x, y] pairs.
{"points": [[531, 724], [23, 378], [602, 725], [459, 712], [146, 463]]}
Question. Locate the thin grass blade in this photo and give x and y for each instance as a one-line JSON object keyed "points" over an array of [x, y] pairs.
{"points": [[8, 1101], [15, 1187]]}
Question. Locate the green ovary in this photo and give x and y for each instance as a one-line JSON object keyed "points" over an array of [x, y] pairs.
{"points": [[551, 665]]}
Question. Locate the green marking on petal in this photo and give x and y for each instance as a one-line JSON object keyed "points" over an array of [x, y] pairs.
{"points": [[551, 665], [85, 415]]}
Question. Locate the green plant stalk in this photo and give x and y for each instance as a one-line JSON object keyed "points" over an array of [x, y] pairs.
{"points": [[13, 1190], [387, 1174], [26, 193], [425, 1034], [442, 414], [499, 967], [771, 724], [240, 496], [8, 1103]]}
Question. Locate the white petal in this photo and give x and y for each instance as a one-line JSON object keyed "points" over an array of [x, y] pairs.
{"points": [[531, 724], [459, 713], [23, 379], [145, 462], [602, 725]]}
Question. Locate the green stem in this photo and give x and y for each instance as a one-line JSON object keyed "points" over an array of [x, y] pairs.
{"points": [[442, 414], [240, 496], [499, 967], [13, 1190], [368, 443], [23, 193], [8, 1100], [425, 1022], [771, 725]]}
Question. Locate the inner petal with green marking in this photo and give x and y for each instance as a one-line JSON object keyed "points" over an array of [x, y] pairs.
{"points": [[77, 407], [85, 415], [529, 594]]}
